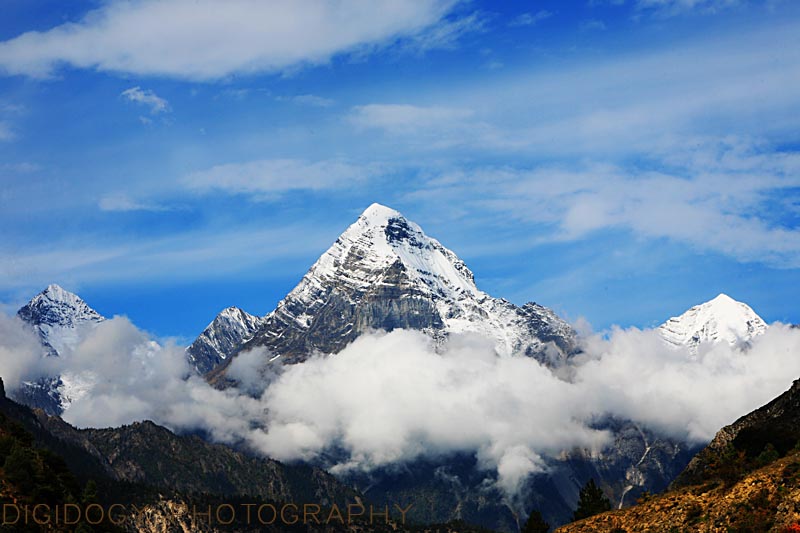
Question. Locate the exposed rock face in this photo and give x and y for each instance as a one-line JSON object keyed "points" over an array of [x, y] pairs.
{"points": [[221, 338], [638, 461], [384, 273]]}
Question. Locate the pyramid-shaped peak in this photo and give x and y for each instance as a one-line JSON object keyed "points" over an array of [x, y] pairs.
{"points": [[719, 319], [723, 306], [723, 298], [379, 214], [57, 293], [58, 306]]}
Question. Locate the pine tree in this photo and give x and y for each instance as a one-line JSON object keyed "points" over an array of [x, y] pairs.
{"points": [[536, 523], [592, 501]]}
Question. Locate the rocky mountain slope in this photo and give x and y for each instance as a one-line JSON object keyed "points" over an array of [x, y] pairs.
{"points": [[746, 480], [221, 338], [145, 465], [776, 424], [722, 319], [148, 454]]}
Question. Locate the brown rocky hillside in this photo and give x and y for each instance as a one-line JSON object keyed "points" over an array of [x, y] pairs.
{"points": [[747, 480]]}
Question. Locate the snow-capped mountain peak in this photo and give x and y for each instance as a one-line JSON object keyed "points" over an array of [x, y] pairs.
{"points": [[722, 319], [384, 272], [56, 306], [382, 237], [58, 316], [61, 319]]}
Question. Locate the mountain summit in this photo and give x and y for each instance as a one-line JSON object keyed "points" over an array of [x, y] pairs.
{"points": [[385, 273], [57, 314], [60, 318], [722, 319]]}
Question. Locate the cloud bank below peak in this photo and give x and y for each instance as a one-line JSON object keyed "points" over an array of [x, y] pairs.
{"points": [[392, 398], [208, 39]]}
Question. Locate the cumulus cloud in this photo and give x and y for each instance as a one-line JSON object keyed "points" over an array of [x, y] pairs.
{"points": [[633, 375], [210, 39], [390, 398], [20, 352], [146, 98]]}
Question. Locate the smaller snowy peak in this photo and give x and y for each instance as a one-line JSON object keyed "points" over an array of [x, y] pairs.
{"points": [[722, 319], [231, 328], [61, 319], [56, 306]]}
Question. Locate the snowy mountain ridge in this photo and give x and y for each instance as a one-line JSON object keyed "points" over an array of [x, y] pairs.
{"points": [[722, 319], [230, 329]]}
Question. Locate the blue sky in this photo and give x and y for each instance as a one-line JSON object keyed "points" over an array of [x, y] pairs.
{"points": [[615, 160]]}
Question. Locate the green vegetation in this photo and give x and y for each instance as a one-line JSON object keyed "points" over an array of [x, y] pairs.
{"points": [[536, 523], [592, 501]]}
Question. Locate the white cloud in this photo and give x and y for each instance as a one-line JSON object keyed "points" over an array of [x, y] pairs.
{"points": [[712, 194], [447, 34], [668, 8], [408, 119], [389, 398], [593, 24], [146, 98], [264, 179], [211, 39], [20, 352], [21, 168], [6, 132], [308, 99], [222, 252], [616, 107], [529, 19], [124, 203]]}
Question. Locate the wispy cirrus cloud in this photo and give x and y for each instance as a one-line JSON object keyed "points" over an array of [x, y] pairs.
{"points": [[715, 195], [6, 132], [530, 19], [146, 98], [307, 99], [211, 39], [124, 203], [669, 8], [266, 178], [94, 258], [407, 118], [612, 107]]}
